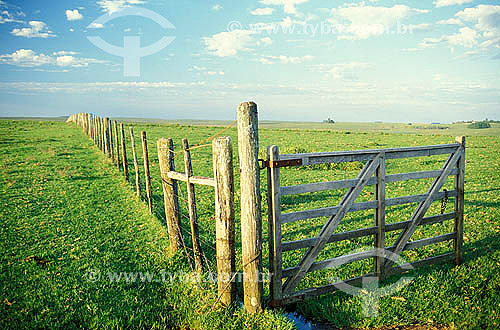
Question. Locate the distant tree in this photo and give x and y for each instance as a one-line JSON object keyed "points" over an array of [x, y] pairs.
{"points": [[479, 125], [329, 121]]}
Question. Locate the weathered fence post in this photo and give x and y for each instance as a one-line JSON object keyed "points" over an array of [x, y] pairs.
{"points": [[106, 137], [251, 221], [111, 144], [197, 250], [379, 260], [115, 127], [274, 220], [136, 164], [99, 133], [222, 150], [103, 136], [124, 153], [459, 202], [147, 178], [170, 200]]}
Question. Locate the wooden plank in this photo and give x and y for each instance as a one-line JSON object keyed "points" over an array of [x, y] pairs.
{"points": [[307, 242], [202, 180], [424, 205], [193, 179], [364, 155], [418, 198], [329, 288], [427, 241], [147, 177], [136, 164], [222, 150], [324, 212], [459, 202], [420, 263], [274, 221], [193, 216], [425, 221], [331, 225], [251, 219], [379, 219], [177, 176], [170, 199], [341, 184], [332, 210], [333, 262]]}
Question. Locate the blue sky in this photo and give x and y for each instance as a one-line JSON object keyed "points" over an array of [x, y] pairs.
{"points": [[305, 60]]}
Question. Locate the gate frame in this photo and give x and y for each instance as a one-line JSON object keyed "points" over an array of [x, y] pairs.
{"points": [[280, 293]]}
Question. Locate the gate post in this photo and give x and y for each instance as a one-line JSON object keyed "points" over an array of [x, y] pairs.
{"points": [[274, 221], [222, 149], [459, 202], [251, 220]]}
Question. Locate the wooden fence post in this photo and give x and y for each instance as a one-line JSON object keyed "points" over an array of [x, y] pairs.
{"points": [[103, 136], [379, 260], [222, 150], [170, 199], [274, 220], [147, 178], [136, 164], [106, 137], [197, 250], [124, 153], [111, 144], [459, 202], [115, 127], [251, 221], [99, 133]]}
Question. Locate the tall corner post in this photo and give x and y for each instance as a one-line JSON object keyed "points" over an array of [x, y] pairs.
{"points": [[251, 220], [459, 202]]}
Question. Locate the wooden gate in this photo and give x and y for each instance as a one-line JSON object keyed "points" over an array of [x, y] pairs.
{"points": [[373, 173]]}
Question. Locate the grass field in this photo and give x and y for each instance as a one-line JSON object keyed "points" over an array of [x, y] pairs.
{"points": [[65, 203]]}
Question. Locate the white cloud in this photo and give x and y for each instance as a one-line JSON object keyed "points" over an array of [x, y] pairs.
{"points": [[262, 11], [29, 58], [288, 5], [216, 7], [7, 17], [94, 25], [367, 21], [443, 3], [26, 58], [484, 29], [270, 59], [204, 70], [71, 30], [266, 41], [466, 37], [64, 52], [450, 21], [111, 6], [229, 43], [37, 29], [73, 15], [343, 71], [419, 27]]}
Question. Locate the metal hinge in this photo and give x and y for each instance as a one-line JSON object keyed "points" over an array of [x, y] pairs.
{"points": [[280, 163]]}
